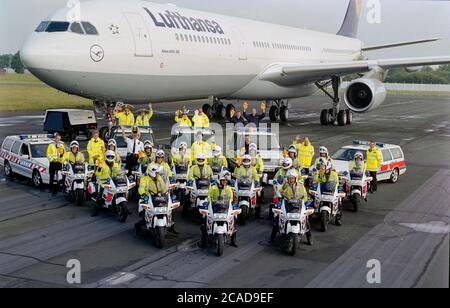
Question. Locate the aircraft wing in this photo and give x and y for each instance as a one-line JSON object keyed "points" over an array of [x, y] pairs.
{"points": [[294, 74]]}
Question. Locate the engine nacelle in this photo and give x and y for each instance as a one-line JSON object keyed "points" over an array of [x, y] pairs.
{"points": [[364, 94]]}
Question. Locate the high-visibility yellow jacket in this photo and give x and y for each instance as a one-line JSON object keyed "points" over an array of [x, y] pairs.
{"points": [[258, 163], [353, 166], [180, 160], [305, 155], [104, 172], [200, 148], [142, 121], [280, 176], [331, 177], [183, 121], [95, 149], [196, 173], [216, 194], [294, 192], [54, 154], [71, 158], [146, 160], [124, 119], [167, 172], [201, 121], [218, 162], [243, 172], [374, 160], [151, 187]]}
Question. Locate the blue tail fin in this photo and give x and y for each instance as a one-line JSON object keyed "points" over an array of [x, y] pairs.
{"points": [[350, 25]]}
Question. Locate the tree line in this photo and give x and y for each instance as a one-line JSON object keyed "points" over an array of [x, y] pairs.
{"points": [[426, 75]]}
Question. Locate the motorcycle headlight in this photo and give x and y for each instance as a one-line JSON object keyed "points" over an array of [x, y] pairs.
{"points": [[293, 216], [220, 216], [160, 209]]}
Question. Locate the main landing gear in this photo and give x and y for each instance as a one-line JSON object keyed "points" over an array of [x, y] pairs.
{"points": [[217, 110], [279, 111], [335, 114]]}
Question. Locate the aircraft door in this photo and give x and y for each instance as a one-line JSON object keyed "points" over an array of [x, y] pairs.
{"points": [[141, 36], [241, 42]]}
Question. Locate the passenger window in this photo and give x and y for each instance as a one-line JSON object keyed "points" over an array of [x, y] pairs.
{"points": [[57, 26], [42, 26], [89, 28], [387, 156], [397, 153], [182, 37], [24, 150], [16, 147], [7, 144], [76, 28], [177, 37]]}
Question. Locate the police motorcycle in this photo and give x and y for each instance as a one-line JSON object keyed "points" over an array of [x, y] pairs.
{"points": [[328, 203], [199, 193], [158, 217], [292, 223], [220, 225], [246, 192], [76, 178], [356, 186], [115, 194]]}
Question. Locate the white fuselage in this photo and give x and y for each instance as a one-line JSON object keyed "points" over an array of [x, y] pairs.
{"points": [[149, 52]]}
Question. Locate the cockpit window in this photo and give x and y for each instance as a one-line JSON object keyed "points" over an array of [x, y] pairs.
{"points": [[89, 28], [58, 26], [76, 28], [42, 26]]}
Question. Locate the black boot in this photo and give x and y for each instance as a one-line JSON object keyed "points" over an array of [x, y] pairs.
{"points": [[234, 240], [172, 229], [258, 212], [138, 229]]}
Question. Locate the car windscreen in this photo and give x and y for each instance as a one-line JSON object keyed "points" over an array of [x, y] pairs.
{"points": [[188, 138], [263, 141], [122, 144], [39, 150], [346, 154]]}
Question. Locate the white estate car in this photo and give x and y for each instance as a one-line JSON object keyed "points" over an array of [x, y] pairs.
{"points": [[26, 155], [393, 166]]}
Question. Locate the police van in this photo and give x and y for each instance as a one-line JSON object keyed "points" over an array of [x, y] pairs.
{"points": [[393, 166], [26, 155]]}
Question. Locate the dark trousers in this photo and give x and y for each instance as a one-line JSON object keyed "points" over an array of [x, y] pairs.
{"points": [[53, 171], [374, 183], [132, 161]]}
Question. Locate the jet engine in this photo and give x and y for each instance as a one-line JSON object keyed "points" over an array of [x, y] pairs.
{"points": [[364, 94]]}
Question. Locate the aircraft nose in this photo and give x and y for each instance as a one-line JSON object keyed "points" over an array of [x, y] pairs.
{"points": [[28, 56], [36, 53]]}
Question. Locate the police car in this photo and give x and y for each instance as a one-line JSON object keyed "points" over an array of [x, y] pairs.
{"points": [[393, 166], [26, 155]]}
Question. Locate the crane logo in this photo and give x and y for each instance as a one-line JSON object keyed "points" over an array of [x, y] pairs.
{"points": [[97, 53]]}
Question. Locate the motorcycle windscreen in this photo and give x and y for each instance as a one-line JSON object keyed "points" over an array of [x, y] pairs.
{"points": [[328, 188], [293, 206], [159, 201], [220, 207], [203, 184], [244, 183]]}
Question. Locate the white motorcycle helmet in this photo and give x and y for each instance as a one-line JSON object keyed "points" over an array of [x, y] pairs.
{"points": [[292, 174], [359, 155], [148, 145], [325, 162], [74, 144], [153, 170], [247, 160], [110, 156], [224, 175], [160, 154], [253, 147], [287, 163], [217, 151], [323, 151], [293, 149], [183, 146], [201, 158]]}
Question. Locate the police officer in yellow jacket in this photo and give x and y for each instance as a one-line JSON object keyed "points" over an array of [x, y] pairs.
{"points": [[293, 189], [199, 147], [200, 119], [217, 161], [184, 120], [181, 158], [257, 160], [357, 165], [55, 156], [112, 146], [144, 117], [106, 169], [305, 152], [374, 161], [326, 174], [164, 170], [95, 148], [200, 170], [147, 157], [74, 156], [125, 117], [292, 154], [152, 184]]}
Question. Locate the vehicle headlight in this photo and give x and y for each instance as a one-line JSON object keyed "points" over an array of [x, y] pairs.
{"points": [[160, 210], [293, 216], [220, 216]]}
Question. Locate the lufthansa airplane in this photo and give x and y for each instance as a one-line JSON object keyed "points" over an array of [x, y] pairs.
{"points": [[138, 52]]}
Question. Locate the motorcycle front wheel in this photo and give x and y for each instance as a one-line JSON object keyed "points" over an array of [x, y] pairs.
{"points": [[293, 240], [357, 200], [160, 237], [324, 221], [243, 215], [79, 197], [122, 212], [220, 244]]}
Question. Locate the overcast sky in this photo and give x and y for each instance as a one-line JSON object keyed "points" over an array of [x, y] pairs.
{"points": [[400, 19]]}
